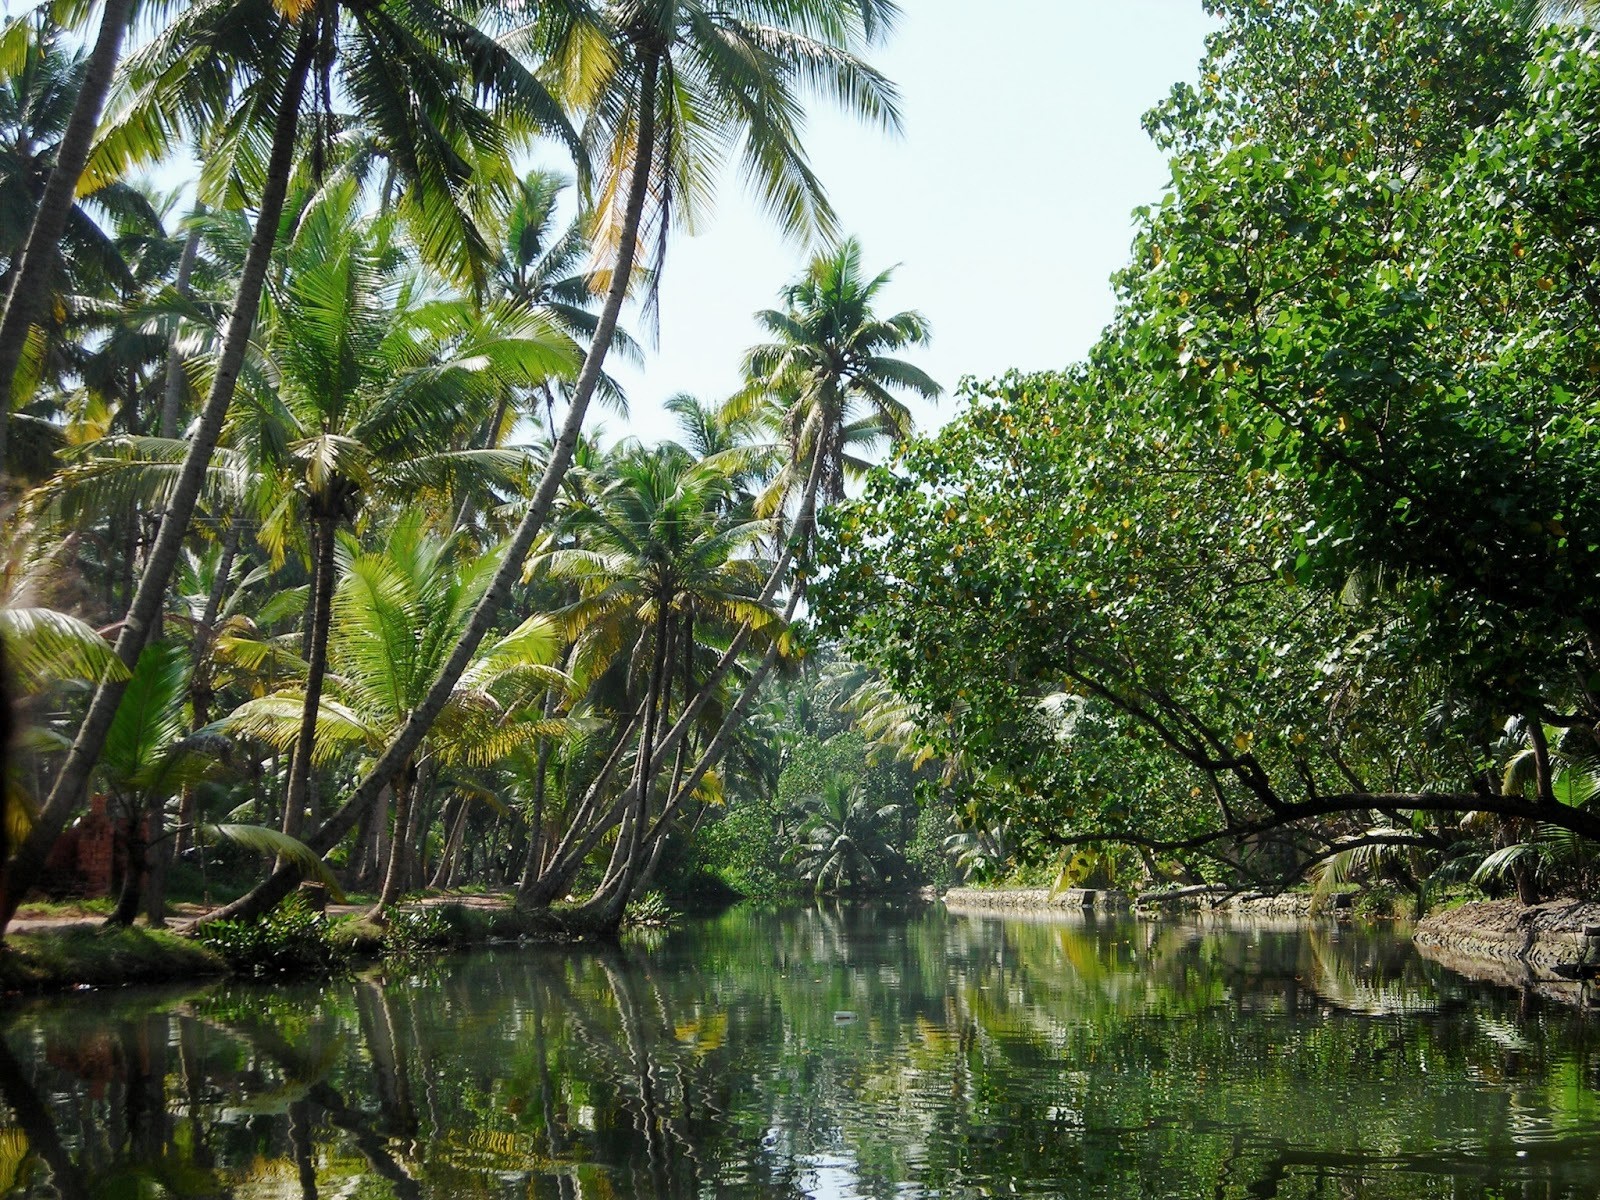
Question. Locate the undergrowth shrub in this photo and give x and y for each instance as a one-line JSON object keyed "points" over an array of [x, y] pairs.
{"points": [[649, 911], [417, 930], [291, 938]]}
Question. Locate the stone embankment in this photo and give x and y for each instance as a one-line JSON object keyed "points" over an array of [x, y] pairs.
{"points": [[1288, 904], [1560, 939], [1033, 899]]}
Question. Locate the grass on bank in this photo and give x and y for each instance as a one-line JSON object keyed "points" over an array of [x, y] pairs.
{"points": [[101, 957]]}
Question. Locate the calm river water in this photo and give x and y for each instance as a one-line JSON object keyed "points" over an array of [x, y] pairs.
{"points": [[828, 1052]]}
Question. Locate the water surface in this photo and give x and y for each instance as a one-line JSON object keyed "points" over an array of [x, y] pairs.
{"points": [[831, 1052]]}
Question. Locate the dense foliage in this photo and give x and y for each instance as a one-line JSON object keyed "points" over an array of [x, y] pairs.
{"points": [[310, 561], [1297, 568]]}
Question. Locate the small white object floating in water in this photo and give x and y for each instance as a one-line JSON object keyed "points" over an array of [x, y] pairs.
{"points": [[843, 1017]]}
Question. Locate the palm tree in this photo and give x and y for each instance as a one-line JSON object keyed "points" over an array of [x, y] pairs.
{"points": [[414, 71], [830, 370], [658, 564], [830, 375], [842, 845], [541, 267], [147, 759], [92, 265], [399, 609], [667, 89], [373, 381], [30, 283]]}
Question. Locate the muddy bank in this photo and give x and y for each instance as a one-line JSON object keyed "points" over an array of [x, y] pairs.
{"points": [[1553, 941]]}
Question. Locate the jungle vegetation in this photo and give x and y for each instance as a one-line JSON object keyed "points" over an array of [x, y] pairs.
{"points": [[1293, 577], [313, 553], [316, 563]]}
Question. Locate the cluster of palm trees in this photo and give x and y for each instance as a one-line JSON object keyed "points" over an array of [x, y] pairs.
{"points": [[310, 449]]}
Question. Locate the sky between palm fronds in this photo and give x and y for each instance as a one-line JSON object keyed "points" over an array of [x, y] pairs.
{"points": [[1007, 203]]}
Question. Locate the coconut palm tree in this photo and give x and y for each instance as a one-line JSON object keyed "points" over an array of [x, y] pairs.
{"points": [[842, 845], [372, 380], [659, 565], [666, 89], [439, 91], [831, 378], [830, 372], [541, 266], [32, 272], [398, 611]]}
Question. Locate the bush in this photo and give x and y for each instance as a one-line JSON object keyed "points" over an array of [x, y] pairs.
{"points": [[417, 930], [291, 938], [100, 957], [649, 911]]}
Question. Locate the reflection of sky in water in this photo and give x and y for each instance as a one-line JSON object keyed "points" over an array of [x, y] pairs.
{"points": [[831, 1053], [829, 1177]]}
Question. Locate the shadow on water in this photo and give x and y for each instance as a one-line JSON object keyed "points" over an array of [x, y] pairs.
{"points": [[834, 1051]]}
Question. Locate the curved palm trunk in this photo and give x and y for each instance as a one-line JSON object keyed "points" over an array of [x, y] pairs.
{"points": [[612, 896], [583, 832], [200, 692], [533, 860], [305, 744], [26, 864], [421, 719], [30, 284]]}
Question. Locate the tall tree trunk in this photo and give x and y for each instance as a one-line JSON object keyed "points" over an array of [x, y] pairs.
{"points": [[177, 382], [583, 831], [533, 860], [26, 864], [321, 621], [613, 895], [404, 797], [453, 820], [133, 873], [30, 284], [417, 723]]}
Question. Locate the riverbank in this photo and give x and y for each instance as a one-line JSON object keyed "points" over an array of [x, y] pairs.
{"points": [[1022, 900], [74, 954], [1559, 939]]}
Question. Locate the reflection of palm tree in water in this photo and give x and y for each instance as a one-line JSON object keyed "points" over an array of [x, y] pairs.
{"points": [[374, 1148], [39, 1127], [378, 1032]]}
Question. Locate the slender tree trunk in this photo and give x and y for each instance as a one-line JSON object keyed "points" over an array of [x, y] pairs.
{"points": [[583, 832], [321, 621], [461, 859], [200, 693], [26, 864], [625, 853], [453, 819], [177, 383], [158, 857], [468, 511], [564, 868], [533, 860], [30, 284], [403, 799], [405, 742], [133, 875]]}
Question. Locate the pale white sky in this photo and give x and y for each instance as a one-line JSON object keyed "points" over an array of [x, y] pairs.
{"points": [[1007, 203]]}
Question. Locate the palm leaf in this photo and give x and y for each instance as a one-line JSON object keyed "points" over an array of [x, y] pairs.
{"points": [[272, 842]]}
